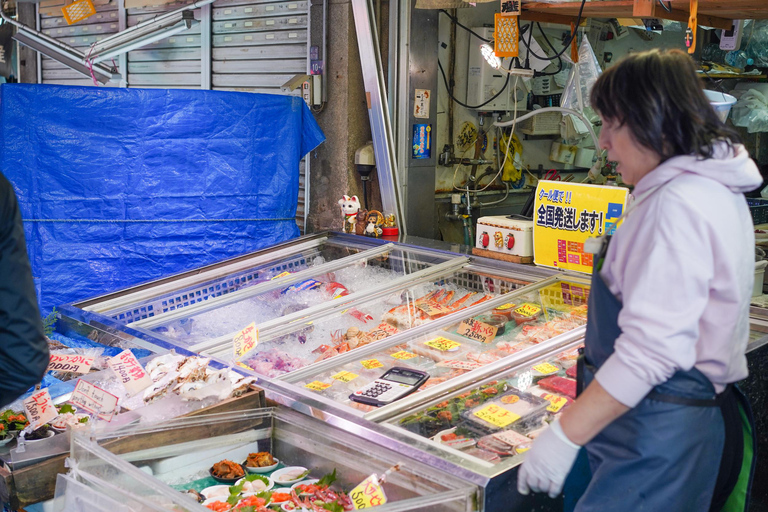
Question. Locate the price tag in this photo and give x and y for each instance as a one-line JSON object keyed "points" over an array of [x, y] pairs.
{"points": [[528, 309], [40, 409], [510, 399], [459, 365], [245, 340], [546, 368], [368, 494], [522, 450], [403, 355], [478, 331], [70, 363], [496, 415], [506, 306], [316, 385], [443, 344], [345, 376], [281, 274], [129, 372], [511, 437], [433, 309], [94, 400], [555, 402], [370, 364], [389, 329]]}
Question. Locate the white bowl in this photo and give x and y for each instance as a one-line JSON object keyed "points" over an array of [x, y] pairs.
{"points": [[48, 435], [269, 484], [224, 489], [276, 476], [10, 437], [264, 469]]}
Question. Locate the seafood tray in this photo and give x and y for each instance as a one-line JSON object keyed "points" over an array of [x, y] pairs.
{"points": [[498, 419], [171, 467], [215, 322], [448, 352]]}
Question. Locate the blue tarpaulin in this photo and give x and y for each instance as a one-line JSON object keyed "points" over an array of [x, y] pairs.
{"points": [[120, 186]]}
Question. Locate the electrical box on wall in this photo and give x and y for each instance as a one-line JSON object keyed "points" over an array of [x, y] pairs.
{"points": [[484, 82]]}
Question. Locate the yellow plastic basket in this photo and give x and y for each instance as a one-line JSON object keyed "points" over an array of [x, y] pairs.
{"points": [[78, 11]]}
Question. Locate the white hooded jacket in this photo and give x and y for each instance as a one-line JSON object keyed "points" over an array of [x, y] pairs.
{"points": [[682, 264]]}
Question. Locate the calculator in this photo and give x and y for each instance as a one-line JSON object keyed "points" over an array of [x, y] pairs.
{"points": [[393, 385]]}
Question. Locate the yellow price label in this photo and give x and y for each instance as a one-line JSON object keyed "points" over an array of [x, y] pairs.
{"points": [[443, 344], [497, 416], [506, 306], [368, 494], [528, 309], [522, 450], [316, 385], [546, 368], [555, 402], [345, 376], [402, 354], [370, 364], [282, 274]]}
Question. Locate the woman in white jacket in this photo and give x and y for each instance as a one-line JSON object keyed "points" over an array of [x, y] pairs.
{"points": [[668, 323]]}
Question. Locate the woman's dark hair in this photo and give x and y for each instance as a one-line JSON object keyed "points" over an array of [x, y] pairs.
{"points": [[659, 96]]}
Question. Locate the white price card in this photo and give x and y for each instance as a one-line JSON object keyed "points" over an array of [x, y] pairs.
{"points": [[130, 372], [70, 363], [40, 409], [245, 340], [94, 400]]}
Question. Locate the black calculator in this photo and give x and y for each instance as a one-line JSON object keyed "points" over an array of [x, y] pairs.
{"points": [[393, 385]]}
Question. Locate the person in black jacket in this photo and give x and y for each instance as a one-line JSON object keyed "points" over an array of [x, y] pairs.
{"points": [[23, 347]]}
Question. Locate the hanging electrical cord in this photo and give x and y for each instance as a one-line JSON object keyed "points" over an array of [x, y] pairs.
{"points": [[567, 43], [457, 22], [450, 89], [559, 59], [668, 9]]}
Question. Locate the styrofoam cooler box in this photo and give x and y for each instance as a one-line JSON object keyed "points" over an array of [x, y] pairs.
{"points": [[505, 235]]}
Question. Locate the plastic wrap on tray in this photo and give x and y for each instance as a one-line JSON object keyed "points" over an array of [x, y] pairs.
{"points": [[505, 410]]}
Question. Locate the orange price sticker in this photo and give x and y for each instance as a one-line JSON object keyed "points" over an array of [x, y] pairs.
{"points": [[316, 385], [345, 376], [497, 416], [510, 399], [546, 368], [402, 354], [555, 402], [528, 309], [370, 364], [443, 344]]}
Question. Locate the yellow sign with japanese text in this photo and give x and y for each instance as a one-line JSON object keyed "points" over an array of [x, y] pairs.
{"points": [[566, 214]]}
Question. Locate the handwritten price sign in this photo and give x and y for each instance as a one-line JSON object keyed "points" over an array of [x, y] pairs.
{"points": [[94, 400], [40, 409], [433, 309], [459, 365], [370, 364], [496, 415], [477, 330], [70, 363], [402, 354], [316, 385], [506, 306], [528, 309], [555, 402], [130, 372], [246, 340], [345, 376], [546, 368], [368, 494], [511, 437], [443, 344]]}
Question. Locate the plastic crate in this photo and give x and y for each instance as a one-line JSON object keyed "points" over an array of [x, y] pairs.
{"points": [[759, 210], [78, 11]]}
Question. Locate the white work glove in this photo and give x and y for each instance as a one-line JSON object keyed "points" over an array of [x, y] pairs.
{"points": [[548, 462]]}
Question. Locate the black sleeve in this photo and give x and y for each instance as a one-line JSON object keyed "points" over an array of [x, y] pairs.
{"points": [[23, 347]]}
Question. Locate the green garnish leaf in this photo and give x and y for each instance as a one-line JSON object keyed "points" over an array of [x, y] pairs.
{"points": [[333, 507], [303, 475], [254, 476], [66, 408], [328, 479]]}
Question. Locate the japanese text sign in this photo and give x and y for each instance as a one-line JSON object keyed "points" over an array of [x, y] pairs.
{"points": [[345, 376], [130, 372], [433, 308], [510, 7], [316, 385], [443, 344], [40, 409], [496, 415], [368, 494], [370, 364], [477, 330], [402, 354], [94, 400], [566, 214], [459, 365], [70, 363], [245, 340]]}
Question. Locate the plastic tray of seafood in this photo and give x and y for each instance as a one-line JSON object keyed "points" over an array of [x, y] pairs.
{"points": [[529, 318], [270, 460], [221, 318], [500, 418]]}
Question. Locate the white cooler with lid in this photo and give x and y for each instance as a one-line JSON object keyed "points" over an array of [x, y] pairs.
{"points": [[504, 235]]}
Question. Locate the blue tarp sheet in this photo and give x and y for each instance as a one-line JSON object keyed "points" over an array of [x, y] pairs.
{"points": [[120, 186]]}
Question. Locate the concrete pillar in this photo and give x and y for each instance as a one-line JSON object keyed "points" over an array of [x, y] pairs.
{"points": [[27, 57]]}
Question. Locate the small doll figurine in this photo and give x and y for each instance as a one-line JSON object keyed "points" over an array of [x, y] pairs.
{"points": [[373, 223], [349, 208], [389, 221], [361, 222]]}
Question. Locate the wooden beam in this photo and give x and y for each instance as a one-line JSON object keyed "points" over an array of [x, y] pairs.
{"points": [[546, 17], [703, 19], [645, 9]]}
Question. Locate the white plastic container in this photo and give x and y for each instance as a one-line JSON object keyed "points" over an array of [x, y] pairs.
{"points": [[721, 102]]}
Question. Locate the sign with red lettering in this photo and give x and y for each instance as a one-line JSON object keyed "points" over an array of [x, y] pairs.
{"points": [[245, 340], [368, 494], [94, 400], [70, 363], [477, 330], [129, 372], [40, 409]]}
